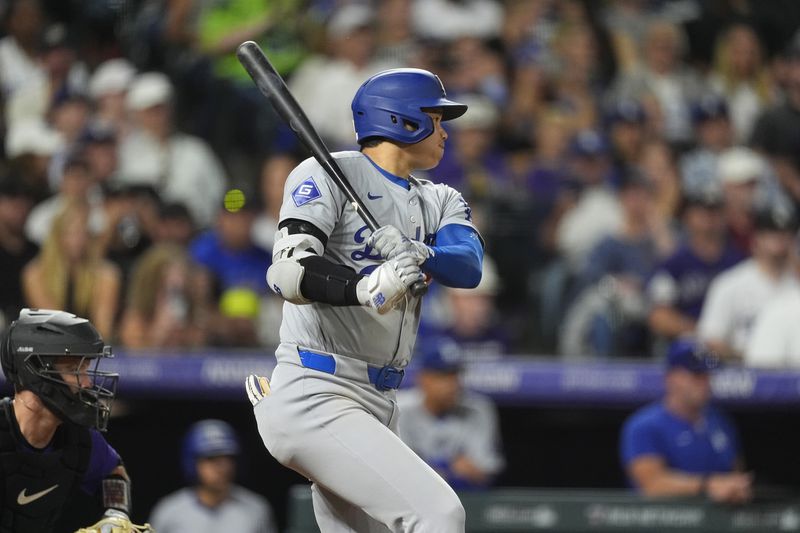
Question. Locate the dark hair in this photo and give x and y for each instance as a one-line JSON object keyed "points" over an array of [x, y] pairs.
{"points": [[371, 142]]}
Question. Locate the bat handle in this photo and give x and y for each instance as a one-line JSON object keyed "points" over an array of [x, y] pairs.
{"points": [[419, 288]]}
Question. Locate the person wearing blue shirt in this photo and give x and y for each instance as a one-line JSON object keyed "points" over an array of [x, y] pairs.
{"points": [[681, 445]]}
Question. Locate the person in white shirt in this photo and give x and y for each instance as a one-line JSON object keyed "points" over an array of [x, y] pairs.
{"points": [[19, 49], [182, 168], [324, 84], [775, 341], [738, 294]]}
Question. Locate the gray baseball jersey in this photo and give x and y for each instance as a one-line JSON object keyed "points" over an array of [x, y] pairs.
{"points": [[243, 512], [471, 429], [335, 427], [419, 212]]}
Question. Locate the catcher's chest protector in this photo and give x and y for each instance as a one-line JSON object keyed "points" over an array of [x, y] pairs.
{"points": [[35, 486]]}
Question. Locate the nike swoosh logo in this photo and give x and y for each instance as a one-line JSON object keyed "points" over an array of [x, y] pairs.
{"points": [[371, 197], [24, 499]]}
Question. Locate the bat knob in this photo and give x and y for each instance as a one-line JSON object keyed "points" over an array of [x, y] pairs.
{"points": [[419, 288]]}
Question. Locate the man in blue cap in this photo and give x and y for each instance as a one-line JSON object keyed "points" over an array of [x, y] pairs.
{"points": [[212, 502], [454, 431], [680, 445]]}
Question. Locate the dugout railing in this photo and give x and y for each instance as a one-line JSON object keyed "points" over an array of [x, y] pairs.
{"points": [[579, 511]]}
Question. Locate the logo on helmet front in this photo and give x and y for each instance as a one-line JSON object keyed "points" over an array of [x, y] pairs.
{"points": [[25, 349]]}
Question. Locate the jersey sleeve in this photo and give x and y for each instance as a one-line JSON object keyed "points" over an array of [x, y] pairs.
{"points": [[103, 460], [483, 448], [455, 209], [639, 438], [310, 195]]}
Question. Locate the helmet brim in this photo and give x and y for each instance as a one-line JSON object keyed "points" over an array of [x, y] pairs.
{"points": [[449, 109]]}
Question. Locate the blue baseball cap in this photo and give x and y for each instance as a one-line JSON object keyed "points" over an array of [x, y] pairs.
{"points": [[693, 356], [709, 107], [441, 355], [588, 143], [626, 110]]}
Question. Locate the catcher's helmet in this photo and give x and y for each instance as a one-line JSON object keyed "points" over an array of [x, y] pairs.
{"points": [[207, 438], [55, 355], [391, 100]]}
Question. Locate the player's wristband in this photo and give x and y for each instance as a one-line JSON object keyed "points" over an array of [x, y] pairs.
{"points": [[117, 493]]}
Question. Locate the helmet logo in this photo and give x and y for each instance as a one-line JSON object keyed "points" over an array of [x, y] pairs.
{"points": [[25, 349]]}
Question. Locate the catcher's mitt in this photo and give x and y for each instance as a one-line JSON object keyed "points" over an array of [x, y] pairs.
{"points": [[116, 524]]}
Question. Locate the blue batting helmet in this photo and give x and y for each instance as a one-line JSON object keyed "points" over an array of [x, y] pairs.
{"points": [[207, 438], [391, 100]]}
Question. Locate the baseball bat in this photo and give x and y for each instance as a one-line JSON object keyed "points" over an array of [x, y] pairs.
{"points": [[271, 85]]}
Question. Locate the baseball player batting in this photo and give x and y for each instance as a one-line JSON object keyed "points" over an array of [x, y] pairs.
{"points": [[350, 320]]}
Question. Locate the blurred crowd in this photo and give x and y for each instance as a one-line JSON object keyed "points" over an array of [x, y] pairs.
{"points": [[633, 165]]}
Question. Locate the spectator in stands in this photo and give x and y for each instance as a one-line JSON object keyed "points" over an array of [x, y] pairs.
{"points": [[663, 81], [70, 273], [627, 129], [657, 163], [76, 186], [274, 171], [108, 88], [130, 222], [576, 78], [176, 165], [777, 130], [607, 318], [99, 147], [681, 445], [167, 302], [30, 147], [475, 67], [174, 225], [678, 287], [741, 172], [775, 340], [474, 165], [15, 248], [396, 43], [473, 322], [19, 49], [456, 432], [212, 501], [597, 212], [738, 294], [713, 135], [325, 85], [235, 266], [446, 20], [742, 76], [62, 77]]}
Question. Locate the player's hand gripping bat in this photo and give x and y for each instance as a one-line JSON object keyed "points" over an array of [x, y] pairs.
{"points": [[273, 87]]}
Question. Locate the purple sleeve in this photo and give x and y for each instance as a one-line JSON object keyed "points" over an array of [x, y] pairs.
{"points": [[104, 459]]}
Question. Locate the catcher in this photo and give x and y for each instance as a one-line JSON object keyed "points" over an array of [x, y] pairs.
{"points": [[50, 440]]}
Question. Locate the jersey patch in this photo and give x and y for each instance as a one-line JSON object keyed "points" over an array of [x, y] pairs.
{"points": [[305, 192]]}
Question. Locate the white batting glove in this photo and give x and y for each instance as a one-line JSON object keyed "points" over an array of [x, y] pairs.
{"points": [[116, 522], [390, 242], [387, 285], [257, 388]]}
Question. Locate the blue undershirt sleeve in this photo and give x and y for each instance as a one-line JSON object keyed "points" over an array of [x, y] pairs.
{"points": [[457, 257]]}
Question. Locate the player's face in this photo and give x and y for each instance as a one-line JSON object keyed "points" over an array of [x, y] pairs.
{"points": [[216, 473], [74, 372], [441, 389], [427, 153], [692, 389]]}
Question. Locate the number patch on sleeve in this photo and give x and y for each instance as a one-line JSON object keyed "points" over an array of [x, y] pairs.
{"points": [[305, 192]]}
